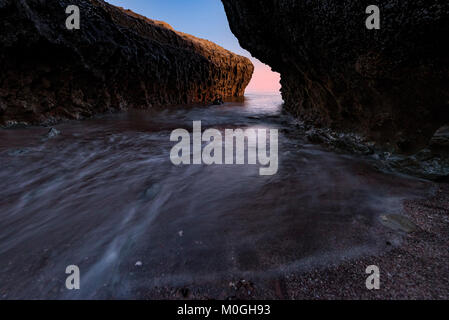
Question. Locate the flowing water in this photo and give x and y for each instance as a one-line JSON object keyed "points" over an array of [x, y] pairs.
{"points": [[104, 195]]}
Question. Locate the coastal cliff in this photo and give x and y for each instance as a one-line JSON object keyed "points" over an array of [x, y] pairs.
{"points": [[391, 85], [115, 61]]}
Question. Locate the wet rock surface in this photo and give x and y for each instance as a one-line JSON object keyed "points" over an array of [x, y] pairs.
{"points": [[429, 163], [389, 85], [117, 60]]}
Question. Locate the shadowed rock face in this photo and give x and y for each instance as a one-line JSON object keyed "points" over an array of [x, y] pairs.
{"points": [[391, 85], [117, 60]]}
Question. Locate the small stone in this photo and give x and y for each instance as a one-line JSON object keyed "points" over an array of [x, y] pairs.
{"points": [[181, 233], [151, 193], [53, 133], [218, 102], [398, 222], [139, 263]]}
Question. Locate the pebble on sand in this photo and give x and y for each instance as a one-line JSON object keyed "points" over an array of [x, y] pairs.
{"points": [[53, 133], [398, 222]]}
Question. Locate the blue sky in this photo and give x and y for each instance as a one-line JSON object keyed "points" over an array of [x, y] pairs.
{"points": [[201, 18], [204, 19]]}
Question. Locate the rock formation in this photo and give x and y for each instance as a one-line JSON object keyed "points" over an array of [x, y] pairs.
{"points": [[116, 60], [390, 85]]}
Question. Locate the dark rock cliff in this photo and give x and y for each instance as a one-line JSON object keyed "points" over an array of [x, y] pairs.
{"points": [[390, 85], [117, 60]]}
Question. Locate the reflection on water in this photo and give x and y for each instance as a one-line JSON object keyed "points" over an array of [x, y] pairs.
{"points": [[104, 194]]}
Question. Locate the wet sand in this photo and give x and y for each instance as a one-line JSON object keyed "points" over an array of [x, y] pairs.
{"points": [[417, 268]]}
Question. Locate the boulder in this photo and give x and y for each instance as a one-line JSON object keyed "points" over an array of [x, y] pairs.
{"points": [[115, 61], [390, 85]]}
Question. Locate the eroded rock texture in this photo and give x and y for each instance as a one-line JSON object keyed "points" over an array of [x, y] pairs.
{"points": [[391, 85], [117, 60]]}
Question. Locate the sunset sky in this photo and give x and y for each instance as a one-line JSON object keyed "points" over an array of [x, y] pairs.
{"points": [[204, 19]]}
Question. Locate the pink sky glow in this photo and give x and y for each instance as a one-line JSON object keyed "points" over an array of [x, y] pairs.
{"points": [[264, 80]]}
